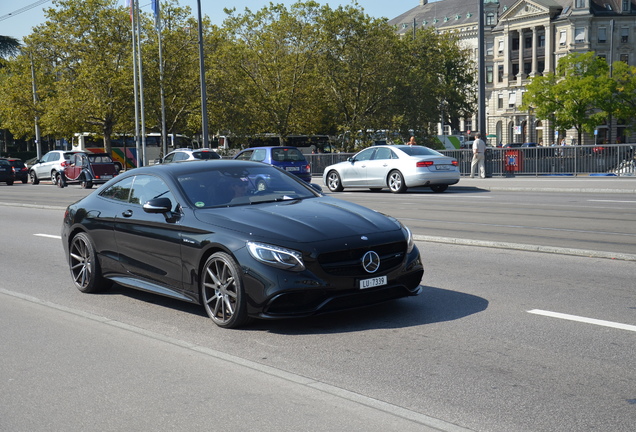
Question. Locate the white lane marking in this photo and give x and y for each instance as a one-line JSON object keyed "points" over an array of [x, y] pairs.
{"points": [[49, 236], [584, 319], [614, 201]]}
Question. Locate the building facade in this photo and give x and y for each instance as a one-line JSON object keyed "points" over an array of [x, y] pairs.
{"points": [[526, 38]]}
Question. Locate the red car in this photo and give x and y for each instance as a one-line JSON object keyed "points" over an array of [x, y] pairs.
{"points": [[87, 169]]}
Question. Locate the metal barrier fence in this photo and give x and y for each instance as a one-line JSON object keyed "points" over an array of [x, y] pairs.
{"points": [[613, 159]]}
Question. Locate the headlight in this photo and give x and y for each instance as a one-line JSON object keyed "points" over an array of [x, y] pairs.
{"points": [[410, 244], [276, 256]]}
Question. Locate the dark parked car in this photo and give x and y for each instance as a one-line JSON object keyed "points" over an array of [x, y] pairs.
{"points": [[7, 173], [21, 171], [204, 233], [87, 169], [289, 159]]}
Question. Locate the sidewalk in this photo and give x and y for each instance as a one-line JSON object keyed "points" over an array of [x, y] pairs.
{"points": [[581, 183]]}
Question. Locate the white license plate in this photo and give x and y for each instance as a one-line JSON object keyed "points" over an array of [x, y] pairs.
{"points": [[373, 282], [107, 177], [292, 168], [443, 167]]}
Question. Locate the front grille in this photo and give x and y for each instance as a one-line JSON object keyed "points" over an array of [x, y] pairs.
{"points": [[348, 262]]}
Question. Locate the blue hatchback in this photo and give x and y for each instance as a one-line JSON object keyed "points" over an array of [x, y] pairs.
{"points": [[289, 159]]}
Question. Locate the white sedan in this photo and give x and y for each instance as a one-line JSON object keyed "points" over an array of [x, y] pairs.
{"points": [[397, 167]]}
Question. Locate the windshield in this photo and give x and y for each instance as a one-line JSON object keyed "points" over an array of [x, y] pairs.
{"points": [[223, 187]]}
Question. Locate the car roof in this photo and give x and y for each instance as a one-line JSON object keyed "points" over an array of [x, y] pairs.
{"points": [[192, 166], [270, 147]]}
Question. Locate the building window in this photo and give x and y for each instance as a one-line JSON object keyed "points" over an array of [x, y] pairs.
{"points": [[527, 68], [528, 42], [500, 101], [602, 35], [624, 34], [579, 35], [489, 70], [515, 44], [512, 99], [541, 40], [541, 66], [500, 73], [602, 56], [626, 4], [515, 69], [562, 38], [579, 4], [501, 47], [625, 58], [490, 46], [490, 19]]}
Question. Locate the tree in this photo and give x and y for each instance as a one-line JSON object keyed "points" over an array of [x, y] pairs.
{"points": [[266, 74], [572, 97], [9, 46], [360, 62], [624, 92], [87, 46]]}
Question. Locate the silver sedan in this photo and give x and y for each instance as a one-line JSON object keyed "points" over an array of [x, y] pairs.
{"points": [[397, 167]]}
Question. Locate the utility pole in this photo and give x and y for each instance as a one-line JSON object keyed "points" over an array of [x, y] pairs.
{"points": [[204, 97]]}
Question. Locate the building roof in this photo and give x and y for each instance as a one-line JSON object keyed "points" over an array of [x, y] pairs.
{"points": [[448, 14]]}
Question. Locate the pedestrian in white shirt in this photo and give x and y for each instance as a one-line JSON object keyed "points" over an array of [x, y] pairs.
{"points": [[479, 150]]}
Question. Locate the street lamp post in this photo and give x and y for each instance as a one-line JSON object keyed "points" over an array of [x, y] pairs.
{"points": [[204, 105]]}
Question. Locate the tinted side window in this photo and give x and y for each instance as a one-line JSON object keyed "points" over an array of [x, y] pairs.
{"points": [[146, 187], [383, 153], [245, 155], [120, 191], [365, 154]]}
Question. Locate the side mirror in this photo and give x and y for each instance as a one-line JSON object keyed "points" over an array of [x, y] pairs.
{"points": [[316, 187], [351, 159], [158, 205]]}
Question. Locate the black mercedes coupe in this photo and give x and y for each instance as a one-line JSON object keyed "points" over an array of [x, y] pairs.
{"points": [[244, 239]]}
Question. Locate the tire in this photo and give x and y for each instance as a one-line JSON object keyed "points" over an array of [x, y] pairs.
{"points": [[86, 184], [10, 183], [396, 182], [25, 181], [261, 185], [34, 177], [222, 292], [54, 177], [84, 266], [58, 180], [439, 188], [334, 182]]}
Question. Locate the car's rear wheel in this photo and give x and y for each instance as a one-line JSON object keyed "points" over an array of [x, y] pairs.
{"points": [[34, 177], [439, 188], [58, 180], [222, 292], [85, 270], [334, 183], [54, 177], [396, 182], [86, 184]]}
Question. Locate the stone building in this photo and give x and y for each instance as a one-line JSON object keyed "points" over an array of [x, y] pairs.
{"points": [[526, 38]]}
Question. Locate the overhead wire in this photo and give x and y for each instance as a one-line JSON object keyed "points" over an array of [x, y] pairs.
{"points": [[24, 9]]}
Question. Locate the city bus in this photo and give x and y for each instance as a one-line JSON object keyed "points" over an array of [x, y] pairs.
{"points": [[124, 151]]}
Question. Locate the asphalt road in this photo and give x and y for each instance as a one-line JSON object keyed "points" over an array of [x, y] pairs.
{"points": [[500, 340]]}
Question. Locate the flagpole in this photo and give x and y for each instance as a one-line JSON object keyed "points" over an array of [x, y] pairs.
{"points": [[134, 55], [141, 89], [204, 106], [164, 136]]}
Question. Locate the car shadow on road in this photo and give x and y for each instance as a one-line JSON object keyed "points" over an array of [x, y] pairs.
{"points": [[434, 305]]}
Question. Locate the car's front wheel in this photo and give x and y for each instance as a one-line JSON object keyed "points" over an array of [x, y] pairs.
{"points": [[222, 292], [396, 182], [34, 177], [85, 269], [334, 182]]}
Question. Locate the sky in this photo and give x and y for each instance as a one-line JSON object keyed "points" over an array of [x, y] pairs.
{"points": [[20, 24]]}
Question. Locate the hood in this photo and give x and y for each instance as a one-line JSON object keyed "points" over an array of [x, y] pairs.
{"points": [[303, 221]]}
